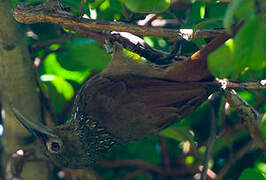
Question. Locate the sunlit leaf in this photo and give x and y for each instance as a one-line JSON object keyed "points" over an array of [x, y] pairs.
{"points": [[181, 133], [190, 160], [247, 96], [96, 4], [149, 41], [59, 90], [202, 11], [52, 66], [261, 166], [132, 55], [249, 174]]}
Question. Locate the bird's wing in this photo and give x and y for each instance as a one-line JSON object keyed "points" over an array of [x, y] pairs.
{"points": [[194, 68], [133, 107], [158, 92], [152, 92]]}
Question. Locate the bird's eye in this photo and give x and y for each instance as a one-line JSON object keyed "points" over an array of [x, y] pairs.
{"points": [[54, 145]]}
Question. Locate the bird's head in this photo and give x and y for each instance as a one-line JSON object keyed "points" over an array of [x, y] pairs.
{"points": [[63, 145]]}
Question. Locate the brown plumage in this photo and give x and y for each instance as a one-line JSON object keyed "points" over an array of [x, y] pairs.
{"points": [[128, 101]]}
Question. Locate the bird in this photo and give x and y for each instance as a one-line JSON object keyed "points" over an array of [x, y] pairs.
{"points": [[126, 102]]}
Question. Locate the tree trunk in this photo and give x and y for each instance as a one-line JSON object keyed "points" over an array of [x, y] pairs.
{"points": [[17, 86]]}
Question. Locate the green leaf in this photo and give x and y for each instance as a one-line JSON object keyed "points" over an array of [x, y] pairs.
{"points": [[95, 4], [246, 52], [190, 160], [59, 90], [250, 45], [248, 96], [110, 9], [52, 66], [80, 56], [263, 126], [222, 143], [63, 87], [261, 166], [245, 9], [241, 9], [195, 15], [180, 133], [216, 10], [147, 6], [146, 150], [220, 62], [249, 174]]}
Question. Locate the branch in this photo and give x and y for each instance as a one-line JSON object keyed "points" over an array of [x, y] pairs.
{"points": [[249, 85], [249, 115], [15, 164], [129, 42], [42, 14]]}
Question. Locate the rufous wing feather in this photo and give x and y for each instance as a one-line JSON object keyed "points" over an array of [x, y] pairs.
{"points": [[195, 68]]}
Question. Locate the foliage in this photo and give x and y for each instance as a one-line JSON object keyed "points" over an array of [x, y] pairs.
{"points": [[247, 49], [66, 65], [149, 6]]}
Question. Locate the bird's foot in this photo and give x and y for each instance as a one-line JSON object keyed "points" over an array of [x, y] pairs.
{"points": [[108, 44], [81, 8], [54, 5]]}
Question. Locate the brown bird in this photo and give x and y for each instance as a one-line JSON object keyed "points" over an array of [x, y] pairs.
{"points": [[128, 101]]}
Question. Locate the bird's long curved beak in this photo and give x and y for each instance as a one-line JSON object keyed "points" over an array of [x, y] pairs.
{"points": [[34, 127]]}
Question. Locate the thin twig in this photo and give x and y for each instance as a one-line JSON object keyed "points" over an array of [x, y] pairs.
{"points": [[62, 39], [233, 158], [148, 19], [228, 130], [164, 152], [133, 174], [15, 164], [211, 140], [210, 173], [47, 105], [239, 85]]}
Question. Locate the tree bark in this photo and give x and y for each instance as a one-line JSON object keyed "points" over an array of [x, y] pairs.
{"points": [[17, 86]]}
